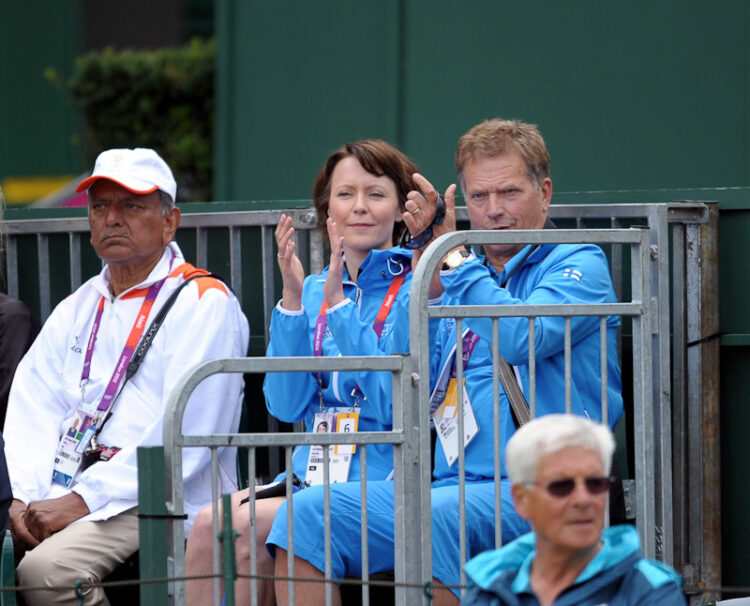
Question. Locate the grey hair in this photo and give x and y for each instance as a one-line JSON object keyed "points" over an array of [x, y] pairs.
{"points": [[167, 204], [549, 434]]}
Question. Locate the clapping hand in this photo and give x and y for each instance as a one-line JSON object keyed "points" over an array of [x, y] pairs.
{"points": [[292, 272], [333, 289]]}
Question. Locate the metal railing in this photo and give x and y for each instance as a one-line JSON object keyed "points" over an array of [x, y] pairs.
{"points": [[681, 458]]}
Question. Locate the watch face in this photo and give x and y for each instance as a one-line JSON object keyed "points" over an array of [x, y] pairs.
{"points": [[455, 258]]}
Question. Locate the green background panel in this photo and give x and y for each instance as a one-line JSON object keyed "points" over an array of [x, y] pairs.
{"points": [[37, 126], [628, 95]]}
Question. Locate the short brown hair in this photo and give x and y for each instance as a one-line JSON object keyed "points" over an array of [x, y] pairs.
{"points": [[378, 158], [494, 137]]}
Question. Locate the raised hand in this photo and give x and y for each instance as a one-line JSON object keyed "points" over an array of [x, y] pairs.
{"points": [[420, 210], [421, 205], [333, 289], [292, 272]]}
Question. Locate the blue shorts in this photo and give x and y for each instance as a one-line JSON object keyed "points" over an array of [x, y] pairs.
{"points": [[346, 523]]}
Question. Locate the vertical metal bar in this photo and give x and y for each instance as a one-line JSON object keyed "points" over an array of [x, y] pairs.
{"points": [[617, 272], [74, 247], [497, 452], [703, 403], [228, 553], [290, 519], [317, 247], [327, 524], [152, 534], [680, 474], [216, 546], [603, 368], [251, 473], [662, 388], [267, 263], [532, 367], [11, 264], [642, 394], [201, 246], [567, 349], [235, 261], [418, 554], [461, 453], [408, 467], [42, 246], [365, 553]]}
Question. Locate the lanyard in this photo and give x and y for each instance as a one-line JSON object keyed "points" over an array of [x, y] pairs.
{"points": [[378, 324], [469, 342], [128, 350]]}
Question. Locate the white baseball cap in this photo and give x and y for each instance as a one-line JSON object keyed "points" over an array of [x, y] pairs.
{"points": [[139, 170]]}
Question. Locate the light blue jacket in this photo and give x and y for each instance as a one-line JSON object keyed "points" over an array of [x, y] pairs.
{"points": [[349, 331], [617, 576], [552, 274]]}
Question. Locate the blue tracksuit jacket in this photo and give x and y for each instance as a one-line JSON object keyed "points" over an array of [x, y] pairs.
{"points": [[294, 397], [617, 576]]}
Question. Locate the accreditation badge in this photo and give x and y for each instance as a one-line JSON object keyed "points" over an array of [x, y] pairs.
{"points": [[446, 422], [73, 443], [339, 455]]}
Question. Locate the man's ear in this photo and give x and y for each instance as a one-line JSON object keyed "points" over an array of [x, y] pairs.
{"points": [[546, 193], [171, 223], [521, 496]]}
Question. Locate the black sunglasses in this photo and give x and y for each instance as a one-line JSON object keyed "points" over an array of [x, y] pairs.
{"points": [[562, 488]]}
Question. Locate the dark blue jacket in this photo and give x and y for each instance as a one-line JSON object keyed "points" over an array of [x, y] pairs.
{"points": [[618, 575]]}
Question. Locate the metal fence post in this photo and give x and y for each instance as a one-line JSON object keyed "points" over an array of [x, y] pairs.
{"points": [[152, 525], [703, 427]]}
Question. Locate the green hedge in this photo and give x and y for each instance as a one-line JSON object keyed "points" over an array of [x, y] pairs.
{"points": [[162, 99]]}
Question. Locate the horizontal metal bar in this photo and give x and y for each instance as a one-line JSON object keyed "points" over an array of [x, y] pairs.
{"points": [[515, 311], [631, 235], [46, 226], [259, 364], [305, 217], [292, 439], [301, 218]]}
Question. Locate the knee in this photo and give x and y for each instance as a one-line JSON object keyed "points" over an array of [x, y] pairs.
{"points": [[200, 538], [38, 568]]}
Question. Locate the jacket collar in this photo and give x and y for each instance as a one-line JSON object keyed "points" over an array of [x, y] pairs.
{"points": [[170, 258]]}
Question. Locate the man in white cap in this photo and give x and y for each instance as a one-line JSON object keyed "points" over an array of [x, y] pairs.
{"points": [[75, 418]]}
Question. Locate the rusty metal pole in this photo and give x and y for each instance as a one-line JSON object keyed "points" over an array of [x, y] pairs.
{"points": [[703, 572]]}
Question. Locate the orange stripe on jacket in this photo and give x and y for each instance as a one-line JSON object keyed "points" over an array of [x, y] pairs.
{"points": [[188, 270]]}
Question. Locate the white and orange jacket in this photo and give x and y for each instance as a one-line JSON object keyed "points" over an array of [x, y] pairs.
{"points": [[205, 323]]}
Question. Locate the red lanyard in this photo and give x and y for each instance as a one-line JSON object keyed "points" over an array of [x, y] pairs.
{"points": [[378, 324], [127, 353]]}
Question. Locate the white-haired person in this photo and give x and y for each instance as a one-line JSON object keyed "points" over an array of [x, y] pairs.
{"points": [[559, 469]]}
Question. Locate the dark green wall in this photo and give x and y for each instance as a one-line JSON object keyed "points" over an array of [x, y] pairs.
{"points": [[36, 125], [628, 95]]}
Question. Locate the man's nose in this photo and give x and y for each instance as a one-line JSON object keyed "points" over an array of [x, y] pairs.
{"points": [[114, 214], [496, 206]]}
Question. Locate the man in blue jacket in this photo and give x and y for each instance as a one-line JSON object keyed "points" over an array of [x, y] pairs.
{"points": [[559, 466], [503, 169]]}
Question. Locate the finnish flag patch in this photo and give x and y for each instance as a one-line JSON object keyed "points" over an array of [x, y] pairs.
{"points": [[573, 273]]}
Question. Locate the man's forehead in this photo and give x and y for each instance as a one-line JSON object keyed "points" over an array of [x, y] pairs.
{"points": [[485, 170], [106, 189]]}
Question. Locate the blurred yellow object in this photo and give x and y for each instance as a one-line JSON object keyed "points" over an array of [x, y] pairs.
{"points": [[23, 190]]}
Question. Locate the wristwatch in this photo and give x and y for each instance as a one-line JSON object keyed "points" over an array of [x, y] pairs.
{"points": [[455, 258]]}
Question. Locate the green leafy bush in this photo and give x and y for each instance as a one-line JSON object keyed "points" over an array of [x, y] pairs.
{"points": [[162, 99]]}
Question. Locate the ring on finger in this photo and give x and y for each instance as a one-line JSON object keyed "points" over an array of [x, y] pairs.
{"points": [[416, 211], [280, 256]]}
